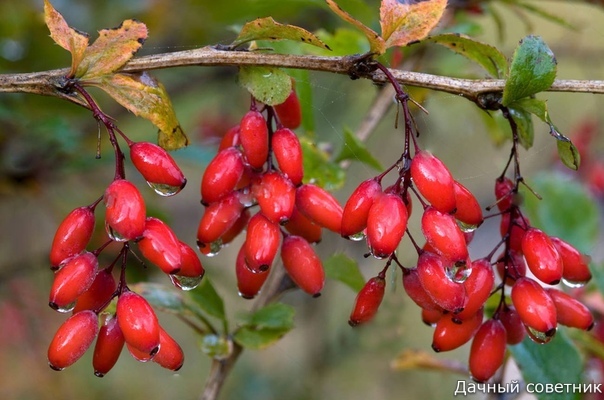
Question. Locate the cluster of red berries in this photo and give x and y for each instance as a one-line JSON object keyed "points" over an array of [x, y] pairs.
{"points": [[87, 291], [259, 163]]}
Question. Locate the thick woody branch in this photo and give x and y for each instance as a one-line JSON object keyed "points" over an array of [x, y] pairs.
{"points": [[50, 83]]}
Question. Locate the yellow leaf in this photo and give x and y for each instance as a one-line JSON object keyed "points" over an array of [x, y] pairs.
{"points": [[404, 23], [418, 359], [65, 36], [268, 29], [113, 48], [144, 96], [376, 43]]}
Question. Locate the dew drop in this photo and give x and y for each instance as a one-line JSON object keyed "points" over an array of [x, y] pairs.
{"points": [[458, 272], [540, 337], [210, 249], [163, 189], [246, 198], [466, 228], [244, 296], [357, 237], [185, 282], [55, 368], [573, 284], [114, 235], [99, 374], [64, 308]]}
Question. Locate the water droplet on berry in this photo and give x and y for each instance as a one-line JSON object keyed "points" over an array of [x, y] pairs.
{"points": [[114, 235], [185, 282], [357, 237], [55, 368], [573, 284], [99, 374], [211, 249], [540, 337], [246, 198], [246, 296], [458, 272], [466, 228], [163, 189], [63, 309]]}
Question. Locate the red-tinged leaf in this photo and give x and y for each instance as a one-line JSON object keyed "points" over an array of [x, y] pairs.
{"points": [[65, 36], [113, 48], [376, 43], [144, 96], [405, 23], [269, 29]]}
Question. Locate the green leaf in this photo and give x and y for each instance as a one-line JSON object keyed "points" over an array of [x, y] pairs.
{"points": [[269, 85], [354, 149], [273, 316], [319, 169], [216, 346], [558, 361], [257, 339], [377, 45], [344, 269], [569, 154], [567, 210], [161, 297], [268, 29], [524, 122], [144, 96], [206, 298], [343, 42], [403, 22], [533, 69], [487, 56]]}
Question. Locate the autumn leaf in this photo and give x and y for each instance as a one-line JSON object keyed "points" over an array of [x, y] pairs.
{"points": [[65, 36], [405, 23], [144, 96], [376, 43], [268, 29]]}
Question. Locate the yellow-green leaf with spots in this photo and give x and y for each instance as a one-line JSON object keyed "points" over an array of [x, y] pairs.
{"points": [[404, 23], [269, 29]]}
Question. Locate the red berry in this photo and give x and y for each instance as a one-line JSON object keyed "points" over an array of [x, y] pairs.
{"points": [[249, 283], [73, 279], [98, 294], [514, 328], [541, 256], [288, 153], [139, 355], [443, 234], [218, 218], [431, 317], [368, 301], [161, 246], [386, 224], [434, 181], [575, 270], [478, 287], [72, 236], [451, 332], [468, 209], [261, 243], [488, 350], [534, 306], [230, 138], [222, 175], [158, 168], [290, 112], [356, 210], [504, 193], [253, 134], [72, 339], [449, 295], [302, 264], [417, 292], [514, 225], [191, 266], [300, 225], [138, 322], [276, 196], [108, 347], [319, 206], [570, 311], [170, 354], [126, 212]]}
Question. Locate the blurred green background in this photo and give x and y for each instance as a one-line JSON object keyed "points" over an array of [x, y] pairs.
{"points": [[48, 167]]}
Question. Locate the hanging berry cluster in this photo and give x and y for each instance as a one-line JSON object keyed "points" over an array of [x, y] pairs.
{"points": [[451, 289], [82, 288]]}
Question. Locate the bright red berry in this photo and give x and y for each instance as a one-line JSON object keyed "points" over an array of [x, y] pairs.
{"points": [[431, 317], [416, 291], [230, 138], [488, 350], [478, 287], [534, 306], [302, 264], [158, 168], [368, 301], [170, 354], [451, 332], [319, 206], [249, 283], [386, 224], [161, 246], [98, 294], [541, 256], [108, 347], [253, 134], [222, 175], [468, 209], [289, 112], [505, 190], [570, 311], [356, 209], [72, 339], [288, 153], [276, 196], [434, 181], [443, 234], [449, 295], [261, 243], [126, 212], [73, 279], [138, 322], [300, 225], [218, 218], [72, 236], [575, 270], [191, 266]]}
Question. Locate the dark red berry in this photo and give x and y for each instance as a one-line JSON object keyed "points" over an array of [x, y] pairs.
{"points": [[368, 301]]}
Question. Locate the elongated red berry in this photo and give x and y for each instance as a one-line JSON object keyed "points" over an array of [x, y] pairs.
{"points": [[386, 224], [261, 243], [289, 112], [300, 225], [230, 138], [161, 246], [249, 283], [575, 270], [158, 168], [170, 354], [541, 256], [434, 181], [138, 322], [108, 347], [73, 279], [288, 153], [191, 265], [72, 339], [534, 306], [514, 328], [319, 206], [253, 134], [451, 332], [478, 287], [356, 209], [443, 234], [126, 212], [468, 209], [368, 301], [72, 236], [431, 317], [218, 218], [222, 175], [570, 311], [302, 264], [488, 350], [504, 193], [449, 295], [98, 294], [417, 292], [276, 196]]}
